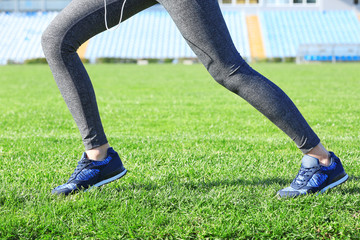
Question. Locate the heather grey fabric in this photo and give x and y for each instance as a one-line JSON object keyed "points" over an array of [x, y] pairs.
{"points": [[201, 24]]}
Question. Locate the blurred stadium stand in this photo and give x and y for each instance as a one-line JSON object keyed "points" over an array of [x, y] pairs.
{"points": [[152, 34], [284, 29], [328, 52], [20, 35]]}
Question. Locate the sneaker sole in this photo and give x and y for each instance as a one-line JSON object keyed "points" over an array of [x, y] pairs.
{"points": [[103, 182], [334, 184]]}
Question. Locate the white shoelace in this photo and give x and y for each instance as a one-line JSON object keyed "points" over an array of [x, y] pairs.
{"points": [[121, 16]]}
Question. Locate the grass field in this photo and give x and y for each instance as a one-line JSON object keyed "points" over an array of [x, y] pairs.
{"points": [[202, 162]]}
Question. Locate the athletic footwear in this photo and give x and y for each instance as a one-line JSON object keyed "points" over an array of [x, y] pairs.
{"points": [[313, 177], [91, 173]]}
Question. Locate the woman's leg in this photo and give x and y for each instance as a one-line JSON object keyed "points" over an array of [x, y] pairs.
{"points": [[202, 25], [78, 22]]}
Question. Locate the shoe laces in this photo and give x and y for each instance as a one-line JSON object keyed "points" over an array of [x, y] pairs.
{"points": [[304, 176], [81, 165]]}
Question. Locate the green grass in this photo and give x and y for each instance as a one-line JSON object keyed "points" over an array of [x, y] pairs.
{"points": [[202, 162]]}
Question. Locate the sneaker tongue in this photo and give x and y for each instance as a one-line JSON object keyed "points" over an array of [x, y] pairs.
{"points": [[84, 158], [309, 162]]}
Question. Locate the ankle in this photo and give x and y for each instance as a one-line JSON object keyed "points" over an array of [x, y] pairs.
{"points": [[321, 153], [98, 153], [323, 160]]}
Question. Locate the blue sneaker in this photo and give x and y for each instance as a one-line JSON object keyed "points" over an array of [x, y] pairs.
{"points": [[313, 177], [90, 173]]}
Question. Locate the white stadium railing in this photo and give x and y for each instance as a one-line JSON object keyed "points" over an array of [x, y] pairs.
{"points": [[328, 52]]}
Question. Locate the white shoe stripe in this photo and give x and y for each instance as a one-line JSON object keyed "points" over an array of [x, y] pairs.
{"points": [[107, 180]]}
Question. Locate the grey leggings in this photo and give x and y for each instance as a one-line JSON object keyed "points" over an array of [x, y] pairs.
{"points": [[201, 24]]}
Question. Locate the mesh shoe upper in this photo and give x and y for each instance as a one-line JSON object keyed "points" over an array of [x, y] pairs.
{"points": [[89, 173], [313, 177]]}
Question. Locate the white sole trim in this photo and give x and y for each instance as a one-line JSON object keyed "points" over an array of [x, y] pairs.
{"points": [[107, 180], [334, 184]]}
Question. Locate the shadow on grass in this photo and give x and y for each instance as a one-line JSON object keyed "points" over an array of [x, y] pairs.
{"points": [[205, 185], [351, 190], [353, 178], [208, 185]]}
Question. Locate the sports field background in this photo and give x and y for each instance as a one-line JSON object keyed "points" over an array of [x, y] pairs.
{"points": [[202, 162]]}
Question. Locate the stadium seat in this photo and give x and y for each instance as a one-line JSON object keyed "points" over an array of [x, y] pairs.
{"points": [[20, 35], [149, 34], [285, 31], [152, 34]]}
